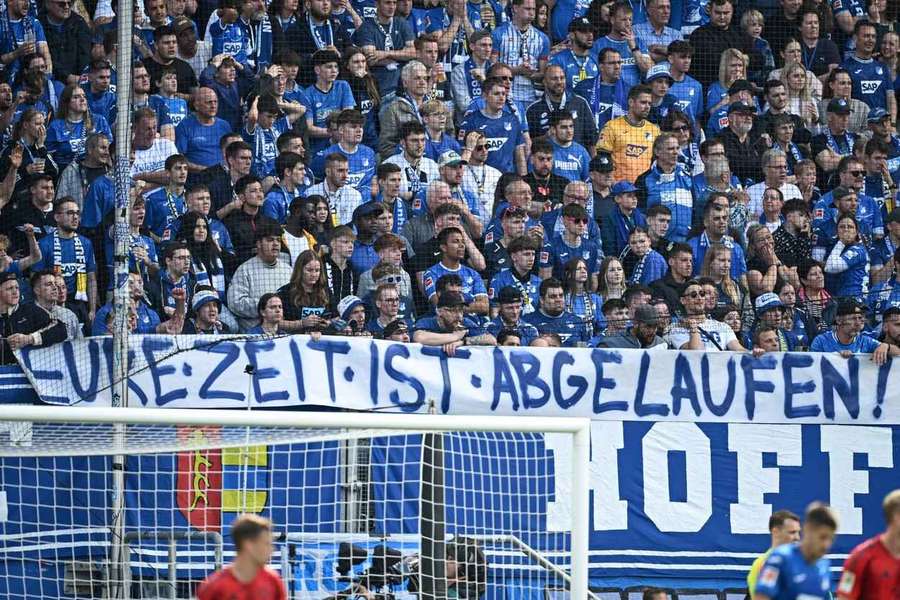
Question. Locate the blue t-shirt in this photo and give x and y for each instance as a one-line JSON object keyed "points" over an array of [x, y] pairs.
{"points": [[200, 143], [162, 209], [688, 96], [675, 192], [321, 104], [871, 81], [175, 107], [278, 202], [883, 296], [571, 162], [434, 149], [577, 69], [529, 289], [557, 252], [99, 202], [372, 33], [472, 283], [67, 263], [564, 12], [828, 342], [567, 326], [430, 323], [606, 100], [15, 36], [631, 74], [361, 165], [502, 135], [67, 141], [103, 104], [526, 331], [263, 146], [787, 576]]}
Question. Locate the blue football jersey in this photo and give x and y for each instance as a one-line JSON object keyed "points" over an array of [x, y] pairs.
{"points": [[787, 576], [502, 135]]}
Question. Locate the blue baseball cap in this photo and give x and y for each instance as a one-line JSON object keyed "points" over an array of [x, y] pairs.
{"points": [[623, 187], [877, 114], [766, 302]]}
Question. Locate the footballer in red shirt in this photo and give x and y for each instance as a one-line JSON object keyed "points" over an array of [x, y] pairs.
{"points": [[247, 578], [873, 568]]}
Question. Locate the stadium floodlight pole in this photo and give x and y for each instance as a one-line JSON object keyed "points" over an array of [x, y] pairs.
{"points": [[118, 560]]}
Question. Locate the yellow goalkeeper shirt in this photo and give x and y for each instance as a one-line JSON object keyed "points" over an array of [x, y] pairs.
{"points": [[631, 147]]}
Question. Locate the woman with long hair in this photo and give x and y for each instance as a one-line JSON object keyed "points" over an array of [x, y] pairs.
{"points": [[717, 266], [284, 15], [30, 134], [580, 301], [306, 300], [270, 309], [679, 123], [812, 295], [800, 101], [848, 262], [732, 66], [793, 53], [318, 218], [206, 256], [611, 279], [365, 92], [67, 133], [795, 319]]}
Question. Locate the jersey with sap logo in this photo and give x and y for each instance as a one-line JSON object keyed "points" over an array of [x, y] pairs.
{"points": [[787, 576], [502, 135], [576, 69], [630, 146], [263, 145], [571, 162], [322, 104], [176, 108], [361, 165], [871, 81]]}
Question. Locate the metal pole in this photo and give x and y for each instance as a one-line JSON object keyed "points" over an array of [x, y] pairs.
{"points": [[581, 456], [122, 173]]}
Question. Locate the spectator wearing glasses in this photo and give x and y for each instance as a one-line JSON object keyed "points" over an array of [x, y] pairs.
{"points": [[607, 94], [851, 175], [175, 275], [775, 171], [560, 248], [72, 255], [68, 38], [450, 328], [386, 298], [696, 330]]}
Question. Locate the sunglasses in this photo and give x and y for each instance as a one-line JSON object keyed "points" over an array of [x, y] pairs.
{"points": [[480, 147], [578, 220], [681, 128], [858, 173], [695, 294]]}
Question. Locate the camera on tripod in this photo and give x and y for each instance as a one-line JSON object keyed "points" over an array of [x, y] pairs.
{"points": [[388, 568]]}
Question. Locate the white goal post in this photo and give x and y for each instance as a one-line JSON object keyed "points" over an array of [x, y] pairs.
{"points": [[456, 465]]}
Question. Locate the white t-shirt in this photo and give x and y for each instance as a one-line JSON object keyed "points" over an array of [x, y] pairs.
{"points": [[756, 191], [715, 335], [153, 158]]}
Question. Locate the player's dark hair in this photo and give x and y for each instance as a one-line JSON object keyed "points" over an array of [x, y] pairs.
{"points": [[780, 516], [820, 515]]}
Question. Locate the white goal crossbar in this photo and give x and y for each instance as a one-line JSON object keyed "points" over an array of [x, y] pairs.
{"points": [[578, 428]]}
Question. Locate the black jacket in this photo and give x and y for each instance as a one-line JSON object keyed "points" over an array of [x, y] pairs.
{"points": [[28, 319], [670, 290], [70, 45], [538, 116], [300, 39], [712, 42]]}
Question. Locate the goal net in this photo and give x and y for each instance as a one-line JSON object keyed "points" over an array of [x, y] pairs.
{"points": [[137, 503]]}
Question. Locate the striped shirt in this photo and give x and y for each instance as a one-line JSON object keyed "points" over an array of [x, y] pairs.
{"points": [[514, 48]]}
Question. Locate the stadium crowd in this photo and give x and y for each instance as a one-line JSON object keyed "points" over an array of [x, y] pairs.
{"points": [[715, 175]]}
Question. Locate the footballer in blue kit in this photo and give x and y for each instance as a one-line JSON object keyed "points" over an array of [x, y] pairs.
{"points": [[801, 571], [502, 131]]}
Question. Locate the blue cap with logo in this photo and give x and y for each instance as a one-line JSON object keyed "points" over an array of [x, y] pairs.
{"points": [[877, 114], [623, 187], [658, 71]]}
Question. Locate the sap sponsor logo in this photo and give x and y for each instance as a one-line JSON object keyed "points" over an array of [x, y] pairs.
{"points": [[635, 150], [603, 107], [354, 179], [365, 106], [495, 143], [684, 104], [869, 86]]}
